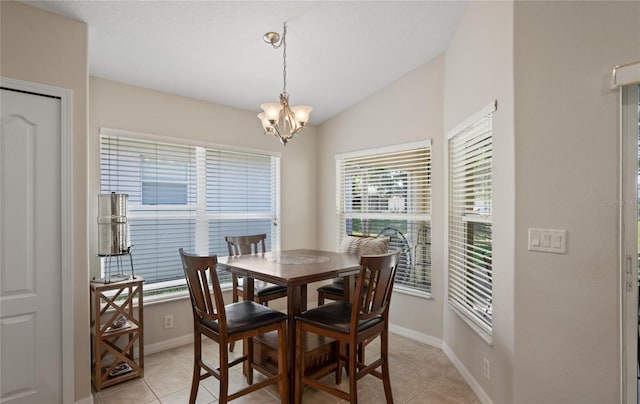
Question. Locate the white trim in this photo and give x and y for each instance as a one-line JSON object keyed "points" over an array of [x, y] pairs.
{"points": [[486, 110], [466, 375], [184, 141], [384, 149], [86, 400], [405, 290], [624, 75], [168, 344], [415, 335], [66, 194], [628, 247]]}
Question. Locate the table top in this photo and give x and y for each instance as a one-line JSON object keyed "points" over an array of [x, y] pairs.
{"points": [[294, 267]]}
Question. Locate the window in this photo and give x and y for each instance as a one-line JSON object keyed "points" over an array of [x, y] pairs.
{"points": [[164, 182], [387, 192], [470, 269], [187, 196]]}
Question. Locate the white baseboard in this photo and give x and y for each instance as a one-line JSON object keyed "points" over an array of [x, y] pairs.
{"points": [[466, 375], [168, 344], [86, 400], [416, 336]]}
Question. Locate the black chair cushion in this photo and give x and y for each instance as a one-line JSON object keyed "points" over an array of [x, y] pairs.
{"points": [[262, 288], [246, 315], [269, 289], [332, 288], [336, 287], [335, 316]]}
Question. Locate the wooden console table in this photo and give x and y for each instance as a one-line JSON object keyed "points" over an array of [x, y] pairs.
{"points": [[116, 327]]}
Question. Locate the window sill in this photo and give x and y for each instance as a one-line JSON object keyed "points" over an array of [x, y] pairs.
{"points": [[487, 337], [413, 292], [167, 297]]}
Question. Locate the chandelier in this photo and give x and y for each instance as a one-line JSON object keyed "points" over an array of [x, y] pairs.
{"points": [[278, 119]]}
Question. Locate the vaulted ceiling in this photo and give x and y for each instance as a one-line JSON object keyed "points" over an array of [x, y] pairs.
{"points": [[338, 52]]}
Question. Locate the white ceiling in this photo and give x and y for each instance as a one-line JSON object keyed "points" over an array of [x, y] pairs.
{"points": [[338, 52]]}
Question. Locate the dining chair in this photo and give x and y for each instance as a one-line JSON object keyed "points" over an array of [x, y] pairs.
{"points": [[225, 324], [353, 324], [263, 292], [361, 245]]}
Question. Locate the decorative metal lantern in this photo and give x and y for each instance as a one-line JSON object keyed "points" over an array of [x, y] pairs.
{"points": [[113, 230], [113, 234]]}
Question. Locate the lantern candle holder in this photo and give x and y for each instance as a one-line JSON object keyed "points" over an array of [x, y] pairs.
{"points": [[113, 237]]}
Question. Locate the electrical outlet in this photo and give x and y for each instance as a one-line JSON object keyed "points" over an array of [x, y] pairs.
{"points": [[486, 368], [168, 321]]}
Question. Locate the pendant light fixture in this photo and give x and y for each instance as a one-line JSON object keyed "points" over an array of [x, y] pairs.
{"points": [[278, 119]]}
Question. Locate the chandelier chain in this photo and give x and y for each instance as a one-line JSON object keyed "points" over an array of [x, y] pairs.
{"points": [[284, 59]]}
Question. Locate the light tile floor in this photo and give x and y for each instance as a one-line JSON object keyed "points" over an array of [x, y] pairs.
{"points": [[420, 374]]}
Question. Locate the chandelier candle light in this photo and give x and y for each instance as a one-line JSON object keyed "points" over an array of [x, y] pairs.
{"points": [[280, 120]]}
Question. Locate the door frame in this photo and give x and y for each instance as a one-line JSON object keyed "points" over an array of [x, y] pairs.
{"points": [[66, 222], [629, 243]]}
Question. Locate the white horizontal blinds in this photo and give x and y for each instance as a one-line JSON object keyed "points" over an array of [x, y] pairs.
{"points": [[470, 217], [189, 197], [388, 193], [160, 181], [240, 196]]}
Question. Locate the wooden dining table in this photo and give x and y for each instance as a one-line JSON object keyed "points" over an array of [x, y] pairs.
{"points": [[294, 269]]}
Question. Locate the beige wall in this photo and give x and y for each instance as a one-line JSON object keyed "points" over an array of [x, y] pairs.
{"points": [[408, 110], [566, 308], [154, 112], [44, 48], [478, 70], [555, 323]]}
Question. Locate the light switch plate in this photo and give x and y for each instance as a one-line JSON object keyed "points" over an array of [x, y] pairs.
{"points": [[548, 240]]}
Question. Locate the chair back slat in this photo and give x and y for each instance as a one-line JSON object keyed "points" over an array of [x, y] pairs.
{"points": [[206, 299], [243, 245], [378, 274]]}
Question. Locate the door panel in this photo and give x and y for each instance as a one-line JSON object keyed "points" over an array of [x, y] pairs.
{"points": [[30, 249]]}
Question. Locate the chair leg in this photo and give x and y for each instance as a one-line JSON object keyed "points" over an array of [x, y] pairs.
{"points": [[234, 296], [340, 353], [353, 380], [224, 373], [320, 299], [197, 358], [386, 377], [361, 353], [299, 358], [249, 360]]}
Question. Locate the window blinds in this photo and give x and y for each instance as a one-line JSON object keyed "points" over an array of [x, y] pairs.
{"points": [[470, 218], [387, 193], [189, 197]]}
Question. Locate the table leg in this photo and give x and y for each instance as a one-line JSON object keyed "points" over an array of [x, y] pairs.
{"points": [[296, 304]]}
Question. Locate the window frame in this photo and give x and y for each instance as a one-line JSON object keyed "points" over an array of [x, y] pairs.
{"points": [[459, 288], [195, 208], [411, 216]]}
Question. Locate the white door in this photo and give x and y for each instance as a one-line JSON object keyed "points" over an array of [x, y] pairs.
{"points": [[30, 249]]}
